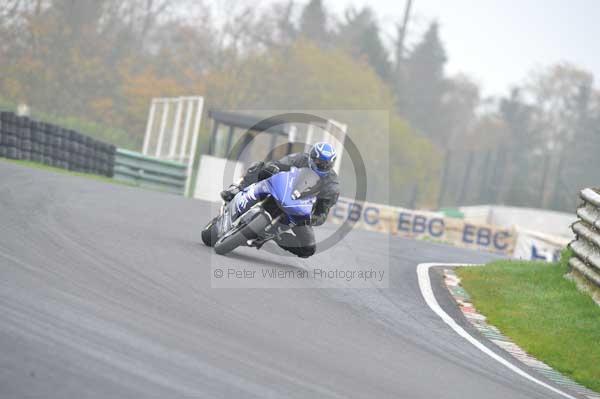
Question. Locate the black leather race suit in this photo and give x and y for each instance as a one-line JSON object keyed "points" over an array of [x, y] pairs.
{"points": [[302, 242]]}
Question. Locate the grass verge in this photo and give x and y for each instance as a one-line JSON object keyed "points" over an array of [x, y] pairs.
{"points": [[41, 166], [542, 312]]}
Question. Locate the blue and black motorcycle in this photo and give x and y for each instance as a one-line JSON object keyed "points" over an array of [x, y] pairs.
{"points": [[263, 210]]}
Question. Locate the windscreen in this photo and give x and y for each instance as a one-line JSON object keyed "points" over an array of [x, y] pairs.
{"points": [[305, 183]]}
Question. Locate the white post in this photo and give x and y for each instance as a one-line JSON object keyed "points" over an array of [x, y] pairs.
{"points": [[163, 126], [186, 128], [149, 127], [292, 134], [332, 139], [196, 133], [338, 161], [175, 131], [309, 135]]}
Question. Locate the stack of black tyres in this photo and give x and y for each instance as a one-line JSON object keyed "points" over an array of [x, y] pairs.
{"points": [[29, 140]]}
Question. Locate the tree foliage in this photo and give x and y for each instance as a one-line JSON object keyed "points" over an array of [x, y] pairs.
{"points": [[426, 84], [313, 22], [98, 63], [333, 80], [359, 34], [103, 61]]}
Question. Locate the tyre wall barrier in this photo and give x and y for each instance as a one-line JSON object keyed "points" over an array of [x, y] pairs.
{"points": [[144, 171], [22, 138], [586, 246]]}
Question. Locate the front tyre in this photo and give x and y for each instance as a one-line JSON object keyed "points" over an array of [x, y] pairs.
{"points": [[209, 233], [231, 241]]}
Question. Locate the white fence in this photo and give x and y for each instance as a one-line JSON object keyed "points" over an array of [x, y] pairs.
{"points": [[172, 131]]}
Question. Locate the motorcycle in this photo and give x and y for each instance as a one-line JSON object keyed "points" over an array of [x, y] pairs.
{"points": [[263, 210]]}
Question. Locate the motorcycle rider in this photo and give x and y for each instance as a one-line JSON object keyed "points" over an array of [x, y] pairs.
{"points": [[320, 159]]}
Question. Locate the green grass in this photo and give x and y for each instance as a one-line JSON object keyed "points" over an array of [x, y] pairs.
{"points": [[542, 312], [92, 176], [41, 166]]}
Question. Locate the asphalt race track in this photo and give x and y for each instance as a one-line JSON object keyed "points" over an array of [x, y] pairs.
{"points": [[105, 293]]}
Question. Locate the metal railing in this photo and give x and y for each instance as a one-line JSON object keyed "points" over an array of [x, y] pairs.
{"points": [[586, 246], [143, 171]]}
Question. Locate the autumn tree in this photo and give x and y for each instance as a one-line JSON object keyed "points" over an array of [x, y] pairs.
{"points": [[306, 77], [566, 103], [359, 33], [313, 22], [425, 85]]}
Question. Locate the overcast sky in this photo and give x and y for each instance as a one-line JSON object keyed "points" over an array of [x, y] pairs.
{"points": [[497, 42]]}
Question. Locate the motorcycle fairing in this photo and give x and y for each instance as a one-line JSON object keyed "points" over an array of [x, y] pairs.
{"points": [[287, 187]]}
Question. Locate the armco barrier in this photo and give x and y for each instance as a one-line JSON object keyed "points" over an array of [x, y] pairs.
{"points": [[25, 139], [140, 170], [586, 247]]}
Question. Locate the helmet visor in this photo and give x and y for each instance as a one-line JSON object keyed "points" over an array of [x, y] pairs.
{"points": [[322, 165]]}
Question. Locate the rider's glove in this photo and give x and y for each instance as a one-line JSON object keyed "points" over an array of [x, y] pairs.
{"points": [[317, 220], [230, 192], [271, 169]]}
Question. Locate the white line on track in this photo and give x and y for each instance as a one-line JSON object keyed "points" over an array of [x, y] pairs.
{"points": [[427, 292]]}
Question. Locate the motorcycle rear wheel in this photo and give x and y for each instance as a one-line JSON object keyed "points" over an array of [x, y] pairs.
{"points": [[244, 233]]}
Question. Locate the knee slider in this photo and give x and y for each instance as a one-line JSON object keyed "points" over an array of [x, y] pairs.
{"points": [[308, 251]]}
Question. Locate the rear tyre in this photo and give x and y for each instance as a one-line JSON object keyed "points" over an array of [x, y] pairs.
{"points": [[247, 232], [209, 233]]}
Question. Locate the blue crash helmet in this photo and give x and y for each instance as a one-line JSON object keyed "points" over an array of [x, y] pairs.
{"points": [[322, 158]]}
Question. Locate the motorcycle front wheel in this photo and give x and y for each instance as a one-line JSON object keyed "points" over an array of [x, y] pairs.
{"points": [[241, 234], [209, 233]]}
